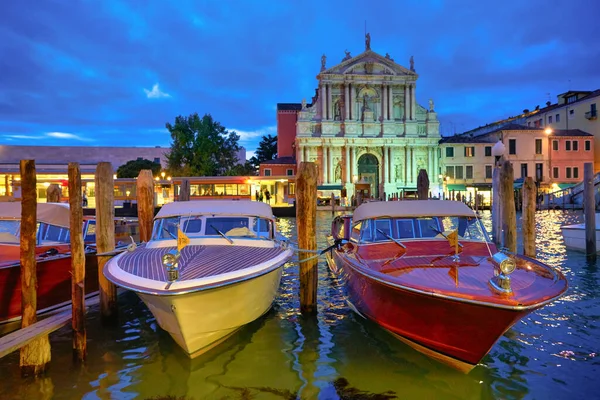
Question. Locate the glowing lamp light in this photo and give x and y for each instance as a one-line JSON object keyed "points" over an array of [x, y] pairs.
{"points": [[548, 131], [127, 193], [168, 178], [114, 176], [157, 179], [163, 174], [46, 184]]}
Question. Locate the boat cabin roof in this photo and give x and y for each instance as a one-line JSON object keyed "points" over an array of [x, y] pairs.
{"points": [[49, 213], [216, 207], [411, 209]]}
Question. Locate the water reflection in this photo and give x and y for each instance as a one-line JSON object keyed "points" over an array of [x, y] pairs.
{"points": [[335, 354]]}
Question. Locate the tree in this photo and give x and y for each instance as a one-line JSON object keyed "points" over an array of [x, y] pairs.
{"points": [[267, 150], [242, 170], [131, 169], [201, 147]]}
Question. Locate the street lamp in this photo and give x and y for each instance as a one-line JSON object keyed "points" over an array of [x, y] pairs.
{"points": [[548, 131], [163, 174], [498, 150]]}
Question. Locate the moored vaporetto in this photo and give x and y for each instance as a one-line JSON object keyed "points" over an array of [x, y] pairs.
{"points": [[210, 267]]}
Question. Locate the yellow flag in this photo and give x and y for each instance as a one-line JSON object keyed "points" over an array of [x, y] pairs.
{"points": [[453, 238], [182, 239]]}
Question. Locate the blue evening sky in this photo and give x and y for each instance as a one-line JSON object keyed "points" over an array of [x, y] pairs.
{"points": [[113, 72]]}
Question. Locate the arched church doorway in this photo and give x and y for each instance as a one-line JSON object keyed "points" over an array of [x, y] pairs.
{"points": [[368, 171]]}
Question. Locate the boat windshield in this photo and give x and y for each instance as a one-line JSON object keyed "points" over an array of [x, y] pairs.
{"points": [[202, 226], [10, 226], [382, 229]]}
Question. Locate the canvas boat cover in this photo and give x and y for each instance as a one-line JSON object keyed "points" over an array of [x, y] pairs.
{"points": [[49, 213], [216, 207], [412, 209]]}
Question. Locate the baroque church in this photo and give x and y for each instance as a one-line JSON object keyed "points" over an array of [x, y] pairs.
{"points": [[364, 125]]}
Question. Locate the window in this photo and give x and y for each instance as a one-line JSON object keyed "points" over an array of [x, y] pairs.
{"points": [[571, 114], [469, 172], [488, 151], [549, 119], [267, 172], [458, 173], [488, 172], [449, 152], [523, 170], [536, 123], [356, 232], [528, 123], [539, 172], [575, 172], [567, 145], [156, 160], [557, 119], [555, 145], [538, 146], [555, 172], [572, 99], [575, 145], [512, 146], [450, 171], [470, 151], [568, 172], [588, 145], [541, 122], [289, 172], [292, 188], [405, 228]]}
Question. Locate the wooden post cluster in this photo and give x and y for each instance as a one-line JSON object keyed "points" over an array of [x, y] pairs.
{"points": [[332, 203], [589, 210], [105, 238], [145, 203], [53, 193], [35, 356], [509, 213], [422, 185], [306, 220], [184, 190], [528, 227], [77, 263], [496, 205]]}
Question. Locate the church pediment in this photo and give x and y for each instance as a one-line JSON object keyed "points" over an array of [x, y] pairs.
{"points": [[368, 63]]}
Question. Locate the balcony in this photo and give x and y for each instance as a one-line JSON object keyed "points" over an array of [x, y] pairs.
{"points": [[591, 115]]}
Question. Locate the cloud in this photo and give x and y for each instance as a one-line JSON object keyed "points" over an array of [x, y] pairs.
{"points": [[249, 154], [25, 137], [63, 135], [156, 93]]}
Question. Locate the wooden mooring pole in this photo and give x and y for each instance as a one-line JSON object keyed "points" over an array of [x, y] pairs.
{"points": [[332, 203], [77, 263], [184, 190], [306, 225], [509, 213], [496, 205], [589, 210], [105, 239], [422, 185], [35, 356], [145, 203], [528, 227]]}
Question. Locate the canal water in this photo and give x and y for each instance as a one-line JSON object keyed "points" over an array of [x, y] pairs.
{"points": [[552, 353]]}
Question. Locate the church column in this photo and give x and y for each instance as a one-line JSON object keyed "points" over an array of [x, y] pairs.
{"points": [[331, 167], [391, 103], [413, 102], [324, 101], [351, 105], [324, 164], [329, 104], [347, 163], [406, 104], [384, 161], [384, 111], [390, 164], [405, 164], [353, 162], [413, 164], [301, 153], [306, 154], [347, 101], [429, 162]]}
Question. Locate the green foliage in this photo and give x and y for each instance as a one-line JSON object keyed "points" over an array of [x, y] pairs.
{"points": [[246, 169], [131, 169], [267, 150], [201, 147]]}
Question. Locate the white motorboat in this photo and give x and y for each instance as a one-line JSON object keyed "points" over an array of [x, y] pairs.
{"points": [[574, 235], [211, 267]]}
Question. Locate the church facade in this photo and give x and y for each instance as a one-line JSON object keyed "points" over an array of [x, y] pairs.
{"points": [[365, 125]]}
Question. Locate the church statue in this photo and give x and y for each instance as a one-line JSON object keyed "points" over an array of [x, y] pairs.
{"points": [[412, 63], [387, 55], [348, 56], [368, 41], [365, 103], [431, 105], [323, 61], [303, 104]]}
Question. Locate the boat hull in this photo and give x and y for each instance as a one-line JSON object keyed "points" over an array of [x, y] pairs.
{"points": [[457, 333], [574, 237], [200, 320], [53, 287]]}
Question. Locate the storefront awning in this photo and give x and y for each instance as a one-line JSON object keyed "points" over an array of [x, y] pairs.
{"points": [[456, 187], [330, 187], [566, 185]]}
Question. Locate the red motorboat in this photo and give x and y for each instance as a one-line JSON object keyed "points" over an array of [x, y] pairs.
{"points": [[426, 271]]}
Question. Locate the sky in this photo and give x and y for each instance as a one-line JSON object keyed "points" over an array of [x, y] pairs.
{"points": [[113, 72]]}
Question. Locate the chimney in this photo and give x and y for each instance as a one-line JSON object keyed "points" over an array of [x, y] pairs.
{"points": [[537, 107], [548, 103]]}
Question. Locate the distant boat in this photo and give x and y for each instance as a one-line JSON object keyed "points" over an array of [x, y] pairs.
{"points": [[211, 267], [426, 271], [574, 235]]}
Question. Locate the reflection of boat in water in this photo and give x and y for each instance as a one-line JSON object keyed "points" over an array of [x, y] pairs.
{"points": [[426, 272], [574, 235], [225, 277]]}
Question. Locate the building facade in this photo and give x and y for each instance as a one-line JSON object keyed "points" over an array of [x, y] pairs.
{"points": [[365, 125], [554, 158]]}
